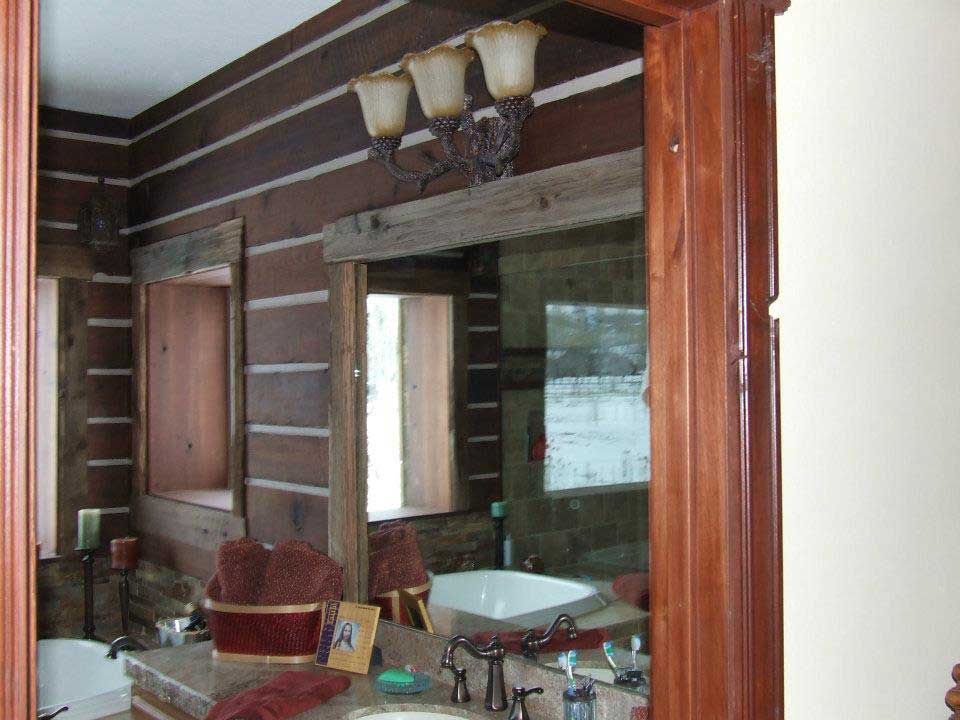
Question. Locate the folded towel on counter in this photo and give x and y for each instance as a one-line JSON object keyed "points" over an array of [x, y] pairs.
{"points": [[586, 639], [395, 559], [241, 564], [634, 588], [288, 694], [298, 574]]}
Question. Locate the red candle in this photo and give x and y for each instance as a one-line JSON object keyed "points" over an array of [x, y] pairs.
{"points": [[124, 553]]}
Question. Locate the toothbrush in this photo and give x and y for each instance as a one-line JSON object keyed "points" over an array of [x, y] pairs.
{"points": [[608, 653], [635, 644], [564, 665], [571, 664]]}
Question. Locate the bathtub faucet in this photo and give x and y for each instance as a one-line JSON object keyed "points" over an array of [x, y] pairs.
{"points": [[493, 652], [124, 642], [530, 644]]}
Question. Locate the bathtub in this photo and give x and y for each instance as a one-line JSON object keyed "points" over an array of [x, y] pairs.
{"points": [[514, 597], [77, 673]]}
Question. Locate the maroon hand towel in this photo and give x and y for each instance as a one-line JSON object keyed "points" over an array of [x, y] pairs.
{"points": [[586, 639], [288, 694], [634, 588], [240, 567], [298, 574]]}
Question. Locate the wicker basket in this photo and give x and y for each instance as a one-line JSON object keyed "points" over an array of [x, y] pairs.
{"points": [[264, 633]]}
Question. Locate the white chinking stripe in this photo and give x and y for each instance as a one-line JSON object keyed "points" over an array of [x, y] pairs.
{"points": [[288, 487], [483, 406], [80, 177], [288, 430], [56, 225], [282, 244], [483, 439], [111, 462], [284, 368], [483, 328], [324, 97], [111, 279], [110, 322], [344, 29], [482, 296], [484, 476], [110, 371], [109, 421], [483, 366], [594, 81], [306, 298], [86, 137]]}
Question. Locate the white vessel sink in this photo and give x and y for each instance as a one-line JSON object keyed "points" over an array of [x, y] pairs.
{"points": [[408, 715]]}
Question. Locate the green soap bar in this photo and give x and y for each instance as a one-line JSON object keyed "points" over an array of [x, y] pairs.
{"points": [[401, 677]]}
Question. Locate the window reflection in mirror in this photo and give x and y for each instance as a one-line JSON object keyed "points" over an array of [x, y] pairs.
{"points": [[548, 339]]}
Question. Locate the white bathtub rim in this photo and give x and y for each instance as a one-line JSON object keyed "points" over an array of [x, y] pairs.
{"points": [[109, 701]]}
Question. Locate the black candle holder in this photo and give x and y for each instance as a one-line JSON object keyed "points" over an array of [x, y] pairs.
{"points": [[86, 558], [125, 601]]}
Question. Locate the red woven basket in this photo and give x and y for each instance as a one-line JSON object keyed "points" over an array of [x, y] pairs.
{"points": [[264, 633]]}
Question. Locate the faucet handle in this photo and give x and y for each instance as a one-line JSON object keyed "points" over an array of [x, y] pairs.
{"points": [[519, 709], [460, 693]]}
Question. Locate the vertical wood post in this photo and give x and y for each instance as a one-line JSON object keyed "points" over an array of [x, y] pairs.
{"points": [[18, 138], [348, 426]]}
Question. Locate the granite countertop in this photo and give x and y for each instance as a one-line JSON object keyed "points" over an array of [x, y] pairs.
{"points": [[190, 679]]}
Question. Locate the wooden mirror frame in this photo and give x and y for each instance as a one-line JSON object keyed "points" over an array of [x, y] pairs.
{"points": [[710, 207]]}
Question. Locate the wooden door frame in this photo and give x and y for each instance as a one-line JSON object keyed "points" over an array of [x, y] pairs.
{"points": [[710, 144], [18, 192], [710, 206]]}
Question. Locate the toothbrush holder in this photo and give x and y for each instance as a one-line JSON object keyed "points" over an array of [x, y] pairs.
{"points": [[577, 707]]}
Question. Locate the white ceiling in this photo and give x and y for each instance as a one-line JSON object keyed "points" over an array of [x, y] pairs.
{"points": [[119, 57]]}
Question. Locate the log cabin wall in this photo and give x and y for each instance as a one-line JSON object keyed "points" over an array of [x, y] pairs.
{"points": [[274, 137], [94, 444]]}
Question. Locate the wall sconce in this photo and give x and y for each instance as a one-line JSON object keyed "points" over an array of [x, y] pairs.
{"points": [[99, 221], [507, 51]]}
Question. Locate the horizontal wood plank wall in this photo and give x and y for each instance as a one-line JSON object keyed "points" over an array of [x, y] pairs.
{"points": [[94, 452], [274, 138], [74, 149]]}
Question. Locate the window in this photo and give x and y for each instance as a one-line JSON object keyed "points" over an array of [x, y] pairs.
{"points": [[596, 419], [47, 414], [189, 380], [411, 456]]}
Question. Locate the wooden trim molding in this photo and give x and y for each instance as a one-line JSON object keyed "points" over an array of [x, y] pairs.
{"points": [[347, 512], [583, 193], [189, 253], [711, 232], [18, 192]]}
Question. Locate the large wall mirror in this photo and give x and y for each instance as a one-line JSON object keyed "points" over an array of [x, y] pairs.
{"points": [[507, 401]]}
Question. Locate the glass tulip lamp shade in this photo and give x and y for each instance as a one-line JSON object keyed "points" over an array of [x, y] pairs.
{"points": [[383, 100], [439, 75], [507, 51]]}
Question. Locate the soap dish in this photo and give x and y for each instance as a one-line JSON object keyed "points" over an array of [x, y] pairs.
{"points": [[421, 682]]}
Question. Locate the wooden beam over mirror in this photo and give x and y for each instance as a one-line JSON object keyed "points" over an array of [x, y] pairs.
{"points": [[583, 193]]}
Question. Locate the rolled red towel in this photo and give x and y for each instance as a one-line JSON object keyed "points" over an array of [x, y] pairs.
{"points": [[586, 639], [288, 694], [298, 574], [634, 588], [240, 567]]}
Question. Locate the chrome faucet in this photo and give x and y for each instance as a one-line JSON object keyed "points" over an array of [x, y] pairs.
{"points": [[530, 644], [493, 652], [124, 642]]}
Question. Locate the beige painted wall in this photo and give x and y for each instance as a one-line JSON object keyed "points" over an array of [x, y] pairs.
{"points": [[869, 131]]}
